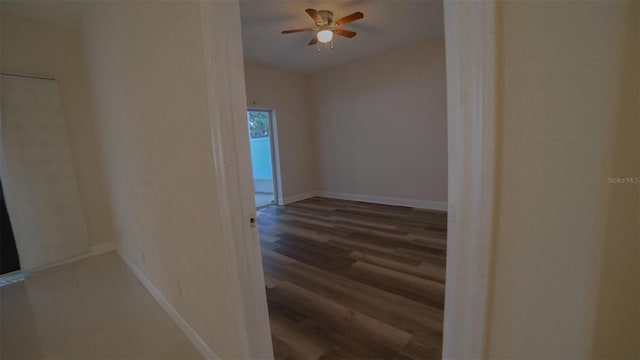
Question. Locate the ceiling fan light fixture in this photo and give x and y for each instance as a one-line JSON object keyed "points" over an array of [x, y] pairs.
{"points": [[324, 36], [325, 27]]}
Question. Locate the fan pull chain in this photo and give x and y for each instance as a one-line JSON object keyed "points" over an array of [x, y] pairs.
{"points": [[318, 46], [331, 43]]}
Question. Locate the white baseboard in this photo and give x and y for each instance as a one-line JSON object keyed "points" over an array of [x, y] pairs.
{"points": [[188, 331], [296, 197], [102, 248], [421, 204], [93, 251]]}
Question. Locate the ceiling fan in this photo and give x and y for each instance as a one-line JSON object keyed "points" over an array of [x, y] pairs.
{"points": [[326, 27]]}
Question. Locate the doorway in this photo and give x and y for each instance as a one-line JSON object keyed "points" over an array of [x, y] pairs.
{"points": [[41, 190], [261, 144], [9, 252]]}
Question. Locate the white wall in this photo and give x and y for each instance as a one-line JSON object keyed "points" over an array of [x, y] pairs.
{"points": [[380, 126], [287, 93], [153, 70], [30, 47], [566, 252]]}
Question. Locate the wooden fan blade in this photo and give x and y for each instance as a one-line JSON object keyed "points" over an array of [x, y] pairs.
{"points": [[343, 32], [349, 18], [314, 40], [296, 30], [314, 15]]}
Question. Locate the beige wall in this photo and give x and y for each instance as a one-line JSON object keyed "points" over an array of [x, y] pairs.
{"points": [[30, 47], [617, 326], [380, 125], [566, 253], [147, 69], [37, 173], [287, 93]]}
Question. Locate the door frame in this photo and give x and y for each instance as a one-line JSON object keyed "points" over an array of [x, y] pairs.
{"points": [[275, 153], [227, 105], [471, 62], [472, 120]]}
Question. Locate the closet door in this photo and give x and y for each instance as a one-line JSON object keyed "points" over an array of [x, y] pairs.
{"points": [[37, 172]]}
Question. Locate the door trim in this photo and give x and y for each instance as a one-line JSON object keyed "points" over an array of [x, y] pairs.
{"points": [[224, 77], [470, 41]]}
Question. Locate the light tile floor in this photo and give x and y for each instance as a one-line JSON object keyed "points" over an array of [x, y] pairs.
{"points": [[90, 309]]}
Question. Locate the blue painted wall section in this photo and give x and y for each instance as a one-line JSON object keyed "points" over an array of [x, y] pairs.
{"points": [[261, 158]]}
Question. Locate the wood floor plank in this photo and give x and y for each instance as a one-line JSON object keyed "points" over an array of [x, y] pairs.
{"points": [[427, 271], [341, 318], [284, 350], [422, 256], [436, 271], [297, 219], [305, 344], [271, 281], [271, 245], [269, 238], [410, 286], [389, 254], [279, 305], [383, 305], [389, 242], [268, 254], [347, 346], [299, 230], [424, 346], [370, 230], [354, 280]]}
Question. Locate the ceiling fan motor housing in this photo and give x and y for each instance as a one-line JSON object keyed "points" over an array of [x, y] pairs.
{"points": [[327, 16]]}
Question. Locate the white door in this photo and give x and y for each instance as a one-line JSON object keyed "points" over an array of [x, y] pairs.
{"points": [[37, 172]]}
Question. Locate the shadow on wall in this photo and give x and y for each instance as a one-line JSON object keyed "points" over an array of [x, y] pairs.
{"points": [[617, 333]]}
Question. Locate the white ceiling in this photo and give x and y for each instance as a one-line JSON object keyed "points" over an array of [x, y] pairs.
{"points": [[387, 25]]}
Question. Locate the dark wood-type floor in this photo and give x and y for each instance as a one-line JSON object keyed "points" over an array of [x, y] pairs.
{"points": [[349, 280]]}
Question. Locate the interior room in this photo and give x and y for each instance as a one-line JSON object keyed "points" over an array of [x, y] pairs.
{"points": [[359, 235], [247, 179]]}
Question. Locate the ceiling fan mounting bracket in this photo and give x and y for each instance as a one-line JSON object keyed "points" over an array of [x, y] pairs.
{"points": [[327, 17]]}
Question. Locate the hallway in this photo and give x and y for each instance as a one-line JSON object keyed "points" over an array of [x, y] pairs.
{"points": [[89, 309]]}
